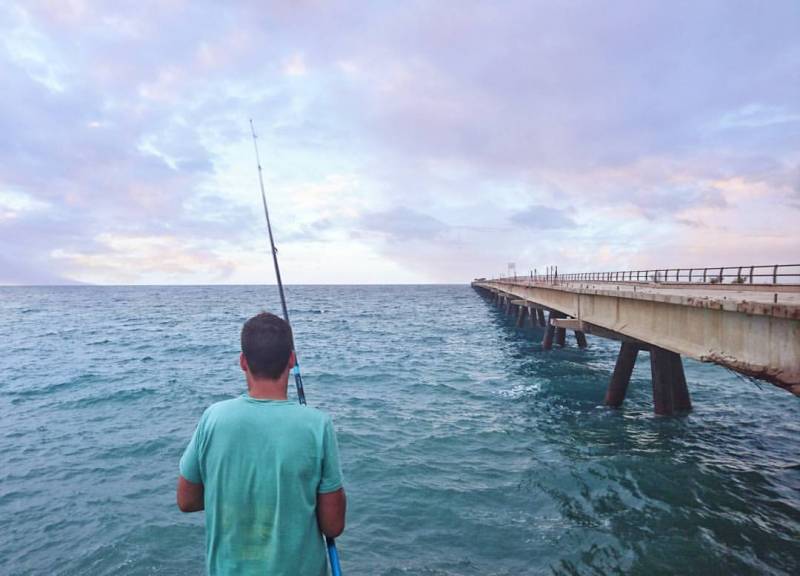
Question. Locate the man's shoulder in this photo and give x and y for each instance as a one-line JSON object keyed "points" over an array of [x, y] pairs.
{"points": [[225, 404], [307, 417], [316, 414], [232, 405], [222, 407]]}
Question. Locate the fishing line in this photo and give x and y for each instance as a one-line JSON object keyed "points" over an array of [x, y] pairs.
{"points": [[333, 553]]}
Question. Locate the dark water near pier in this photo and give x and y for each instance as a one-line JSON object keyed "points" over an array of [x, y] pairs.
{"points": [[466, 450]]}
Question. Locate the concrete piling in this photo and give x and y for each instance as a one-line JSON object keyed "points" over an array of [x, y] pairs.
{"points": [[560, 333], [549, 332], [540, 317], [581, 338], [561, 336], [670, 393], [521, 315], [623, 369]]}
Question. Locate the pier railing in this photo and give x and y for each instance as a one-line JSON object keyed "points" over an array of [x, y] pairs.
{"points": [[772, 274]]}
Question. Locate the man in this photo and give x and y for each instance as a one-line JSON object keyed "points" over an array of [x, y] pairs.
{"points": [[265, 469]]}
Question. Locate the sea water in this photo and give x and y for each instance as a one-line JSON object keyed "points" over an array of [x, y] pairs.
{"points": [[466, 449]]}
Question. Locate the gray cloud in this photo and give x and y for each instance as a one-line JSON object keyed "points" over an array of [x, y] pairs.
{"points": [[15, 271], [796, 186], [540, 217], [657, 203], [402, 224], [558, 86]]}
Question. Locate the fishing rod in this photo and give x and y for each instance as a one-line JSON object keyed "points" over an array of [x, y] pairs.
{"points": [[298, 380], [333, 553]]}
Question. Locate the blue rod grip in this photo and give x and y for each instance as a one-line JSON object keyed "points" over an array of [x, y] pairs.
{"points": [[333, 555], [298, 381]]}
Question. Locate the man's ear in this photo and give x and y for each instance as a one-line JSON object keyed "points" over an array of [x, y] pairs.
{"points": [[243, 362], [292, 360]]}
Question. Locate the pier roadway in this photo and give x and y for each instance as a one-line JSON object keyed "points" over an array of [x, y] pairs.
{"points": [[753, 329]]}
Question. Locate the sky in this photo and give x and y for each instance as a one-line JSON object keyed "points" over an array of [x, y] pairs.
{"points": [[401, 142]]}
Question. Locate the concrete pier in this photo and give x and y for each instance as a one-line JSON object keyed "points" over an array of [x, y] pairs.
{"points": [[561, 337], [670, 393], [549, 334], [621, 377], [751, 329], [540, 317]]}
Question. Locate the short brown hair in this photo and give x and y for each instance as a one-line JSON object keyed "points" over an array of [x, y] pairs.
{"points": [[266, 345]]}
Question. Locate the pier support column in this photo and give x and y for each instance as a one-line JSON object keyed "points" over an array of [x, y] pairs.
{"points": [[670, 393], [561, 337], [540, 317], [521, 315], [549, 332], [622, 374], [561, 333], [581, 338]]}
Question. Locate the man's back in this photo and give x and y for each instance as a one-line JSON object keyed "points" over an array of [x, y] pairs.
{"points": [[262, 463]]}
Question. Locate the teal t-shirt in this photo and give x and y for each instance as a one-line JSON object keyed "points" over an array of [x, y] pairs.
{"points": [[262, 463]]}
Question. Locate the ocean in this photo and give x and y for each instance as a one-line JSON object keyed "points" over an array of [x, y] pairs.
{"points": [[466, 449]]}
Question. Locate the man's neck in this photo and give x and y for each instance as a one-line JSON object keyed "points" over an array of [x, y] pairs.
{"points": [[263, 389]]}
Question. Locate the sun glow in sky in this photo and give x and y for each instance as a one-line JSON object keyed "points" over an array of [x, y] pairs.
{"points": [[401, 142]]}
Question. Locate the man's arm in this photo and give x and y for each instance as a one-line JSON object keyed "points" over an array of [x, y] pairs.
{"points": [[331, 510], [190, 495]]}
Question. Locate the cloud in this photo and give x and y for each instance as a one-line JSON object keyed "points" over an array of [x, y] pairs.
{"points": [[757, 116], [295, 65], [402, 224], [395, 131], [14, 204], [541, 217], [16, 271], [149, 259]]}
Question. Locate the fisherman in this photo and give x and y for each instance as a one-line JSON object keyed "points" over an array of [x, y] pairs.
{"points": [[265, 469]]}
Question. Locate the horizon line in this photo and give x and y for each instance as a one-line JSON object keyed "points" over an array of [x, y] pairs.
{"points": [[88, 285]]}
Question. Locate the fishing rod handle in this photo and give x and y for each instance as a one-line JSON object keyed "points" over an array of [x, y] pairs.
{"points": [[298, 382], [333, 555]]}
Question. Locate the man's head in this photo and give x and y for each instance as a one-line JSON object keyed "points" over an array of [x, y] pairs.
{"points": [[266, 346]]}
